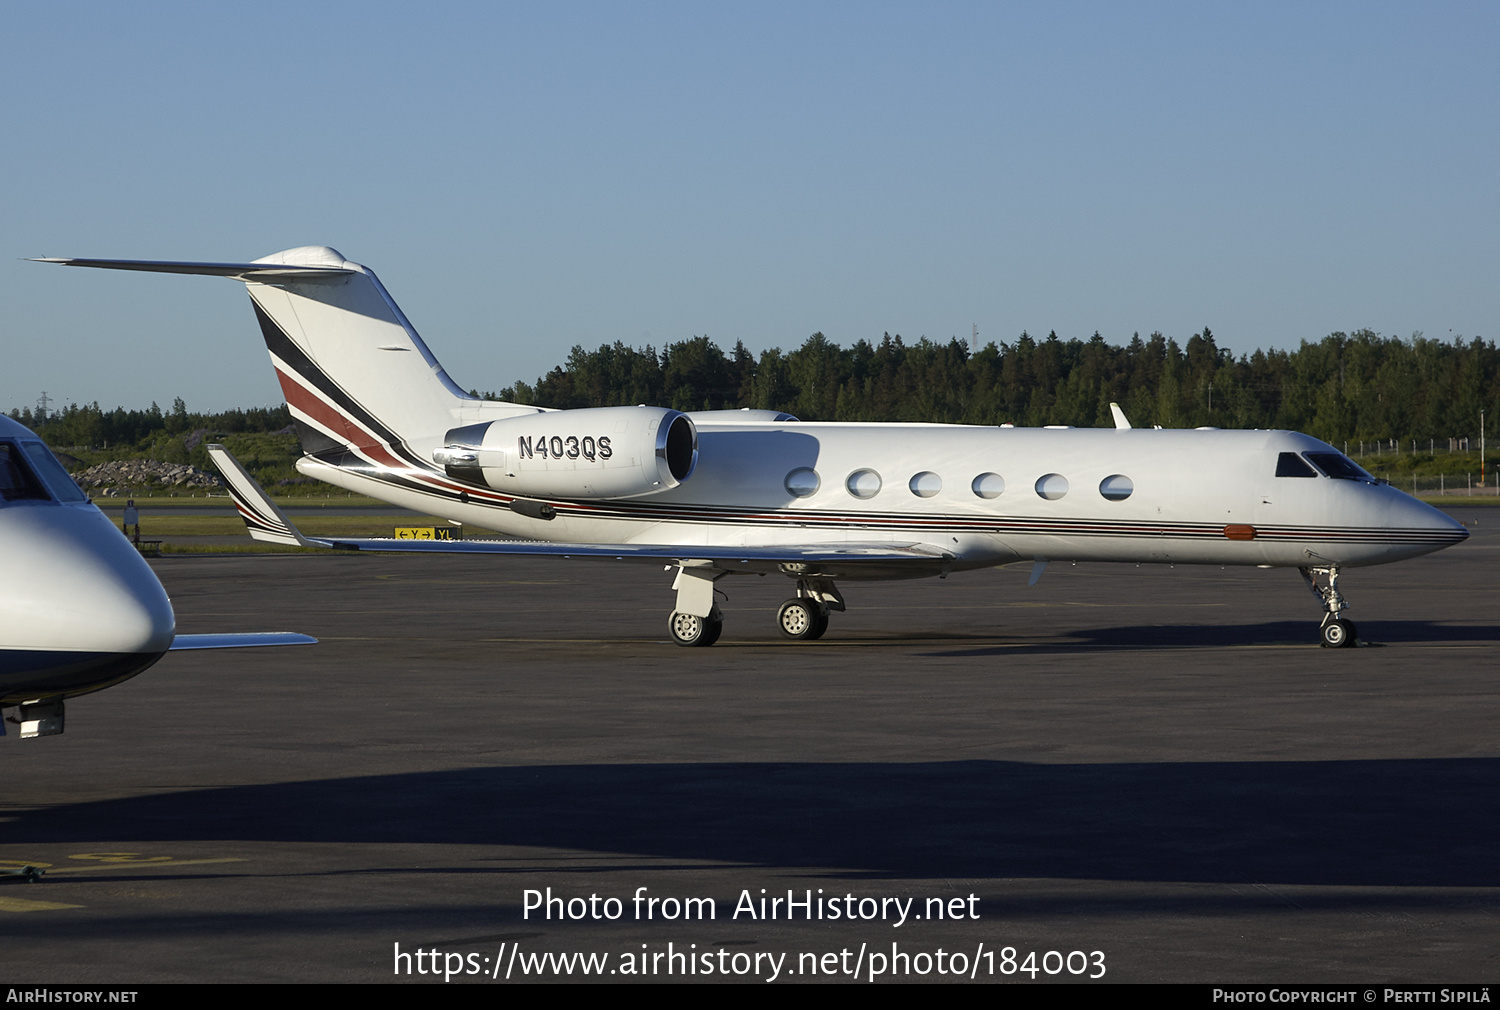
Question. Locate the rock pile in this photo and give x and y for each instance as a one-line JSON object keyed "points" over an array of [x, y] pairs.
{"points": [[143, 473]]}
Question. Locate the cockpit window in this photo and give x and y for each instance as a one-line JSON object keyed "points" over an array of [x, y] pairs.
{"points": [[1289, 464], [52, 473], [17, 482], [1336, 464]]}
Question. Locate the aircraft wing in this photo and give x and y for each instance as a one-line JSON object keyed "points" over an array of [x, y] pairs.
{"points": [[245, 640], [266, 522], [820, 557]]}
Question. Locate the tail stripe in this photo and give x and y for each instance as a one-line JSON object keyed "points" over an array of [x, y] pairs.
{"points": [[326, 405], [252, 515], [407, 468], [287, 351]]}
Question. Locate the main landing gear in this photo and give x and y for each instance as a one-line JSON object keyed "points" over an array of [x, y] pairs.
{"points": [[698, 621], [689, 629], [805, 616], [801, 619], [1336, 632]]}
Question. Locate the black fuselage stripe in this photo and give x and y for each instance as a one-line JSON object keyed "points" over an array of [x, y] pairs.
{"points": [[723, 516]]}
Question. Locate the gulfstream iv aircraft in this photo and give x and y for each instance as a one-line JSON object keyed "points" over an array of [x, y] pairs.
{"points": [[715, 493], [82, 610]]}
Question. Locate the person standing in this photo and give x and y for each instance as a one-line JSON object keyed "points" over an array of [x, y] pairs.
{"points": [[132, 522]]}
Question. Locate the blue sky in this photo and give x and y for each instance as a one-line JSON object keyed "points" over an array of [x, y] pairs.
{"points": [[525, 178]]}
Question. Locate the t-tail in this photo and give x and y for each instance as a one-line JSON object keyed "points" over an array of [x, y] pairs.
{"points": [[357, 378]]}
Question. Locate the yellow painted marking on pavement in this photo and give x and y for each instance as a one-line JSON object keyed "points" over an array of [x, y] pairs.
{"points": [[403, 577], [27, 905], [21, 864], [142, 865]]}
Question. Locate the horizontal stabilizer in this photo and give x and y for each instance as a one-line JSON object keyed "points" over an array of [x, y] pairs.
{"points": [[248, 640], [336, 340], [239, 271]]}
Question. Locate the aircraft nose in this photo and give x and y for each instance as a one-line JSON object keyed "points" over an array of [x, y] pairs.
{"points": [[1441, 529], [81, 586]]}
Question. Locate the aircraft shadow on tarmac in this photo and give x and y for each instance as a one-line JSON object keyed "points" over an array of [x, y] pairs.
{"points": [[1429, 823], [1269, 633]]}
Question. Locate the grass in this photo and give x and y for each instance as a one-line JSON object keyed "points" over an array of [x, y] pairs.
{"points": [[222, 500], [165, 527], [250, 547], [1488, 500]]}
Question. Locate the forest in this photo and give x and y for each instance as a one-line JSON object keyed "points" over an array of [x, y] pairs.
{"points": [[1346, 387], [1361, 391]]}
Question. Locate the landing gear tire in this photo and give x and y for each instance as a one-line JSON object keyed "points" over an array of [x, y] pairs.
{"points": [[801, 619], [690, 629], [1339, 634], [822, 627]]}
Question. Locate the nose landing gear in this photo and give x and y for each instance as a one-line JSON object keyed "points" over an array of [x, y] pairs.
{"points": [[1336, 632]]}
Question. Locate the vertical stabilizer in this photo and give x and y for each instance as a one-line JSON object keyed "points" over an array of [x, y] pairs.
{"points": [[355, 374], [353, 370]]}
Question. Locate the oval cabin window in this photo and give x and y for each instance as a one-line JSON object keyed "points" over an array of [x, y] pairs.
{"points": [[925, 484], [988, 485], [803, 482], [1052, 486], [1116, 487], [863, 483]]}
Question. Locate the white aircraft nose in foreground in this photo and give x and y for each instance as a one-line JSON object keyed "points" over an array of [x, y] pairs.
{"points": [[81, 609], [715, 493]]}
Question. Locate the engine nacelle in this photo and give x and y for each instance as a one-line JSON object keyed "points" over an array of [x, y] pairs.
{"points": [[744, 415], [597, 452]]}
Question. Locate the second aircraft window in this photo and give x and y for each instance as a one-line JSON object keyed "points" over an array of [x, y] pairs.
{"points": [[988, 485], [1052, 486], [863, 483], [803, 482], [925, 484]]}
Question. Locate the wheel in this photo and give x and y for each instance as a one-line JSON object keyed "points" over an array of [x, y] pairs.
{"points": [[1338, 634], [819, 628], [689, 629], [801, 619]]}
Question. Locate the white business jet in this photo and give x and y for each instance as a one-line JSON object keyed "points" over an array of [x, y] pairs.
{"points": [[714, 493], [82, 610]]}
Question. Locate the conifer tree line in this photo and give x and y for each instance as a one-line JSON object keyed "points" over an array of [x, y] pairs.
{"points": [[89, 426], [1346, 387]]}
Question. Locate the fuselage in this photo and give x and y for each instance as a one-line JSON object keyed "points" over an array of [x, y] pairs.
{"points": [[81, 610], [986, 494]]}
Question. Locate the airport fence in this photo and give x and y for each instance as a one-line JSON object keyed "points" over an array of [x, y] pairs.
{"points": [[1444, 485]]}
